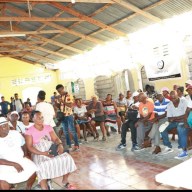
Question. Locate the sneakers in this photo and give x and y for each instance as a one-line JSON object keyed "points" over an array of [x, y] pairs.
{"points": [[80, 142], [167, 150], [134, 148], [137, 148], [157, 150], [183, 154], [121, 146]]}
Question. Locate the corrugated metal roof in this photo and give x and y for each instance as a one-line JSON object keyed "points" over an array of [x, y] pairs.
{"points": [[103, 13]]}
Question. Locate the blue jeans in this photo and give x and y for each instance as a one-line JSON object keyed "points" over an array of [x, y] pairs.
{"points": [[68, 126], [181, 131]]}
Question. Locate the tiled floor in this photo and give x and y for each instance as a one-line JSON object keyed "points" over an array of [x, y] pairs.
{"points": [[100, 166], [99, 169]]}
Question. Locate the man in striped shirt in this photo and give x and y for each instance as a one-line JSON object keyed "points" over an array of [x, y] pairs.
{"points": [[160, 110]]}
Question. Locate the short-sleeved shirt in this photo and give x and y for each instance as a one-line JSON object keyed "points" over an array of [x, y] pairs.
{"points": [[38, 135], [145, 109], [98, 107], [65, 109], [121, 104], [4, 107], [18, 105], [173, 111], [161, 107], [48, 113], [10, 146], [80, 111]]}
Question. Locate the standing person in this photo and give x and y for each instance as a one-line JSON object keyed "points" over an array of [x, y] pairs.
{"points": [[111, 115], [131, 121], [11, 104], [65, 105], [14, 166], [46, 109], [53, 98], [18, 104], [4, 106], [39, 139], [95, 108]]}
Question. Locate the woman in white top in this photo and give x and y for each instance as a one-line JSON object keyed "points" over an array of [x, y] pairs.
{"points": [[46, 109]]}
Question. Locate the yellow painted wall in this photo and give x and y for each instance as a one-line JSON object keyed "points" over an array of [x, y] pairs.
{"points": [[11, 69]]}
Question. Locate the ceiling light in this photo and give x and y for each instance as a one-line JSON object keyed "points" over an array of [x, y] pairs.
{"points": [[72, 1], [13, 35]]}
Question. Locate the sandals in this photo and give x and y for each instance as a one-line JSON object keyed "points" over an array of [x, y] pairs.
{"points": [[69, 186]]}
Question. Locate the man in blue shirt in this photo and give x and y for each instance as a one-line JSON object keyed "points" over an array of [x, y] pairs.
{"points": [[4, 106], [160, 110]]}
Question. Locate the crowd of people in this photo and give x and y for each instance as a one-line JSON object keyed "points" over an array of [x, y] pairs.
{"points": [[30, 140]]}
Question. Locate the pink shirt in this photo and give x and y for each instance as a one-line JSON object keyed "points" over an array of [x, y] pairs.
{"points": [[37, 135]]}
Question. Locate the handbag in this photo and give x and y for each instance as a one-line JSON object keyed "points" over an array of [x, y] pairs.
{"points": [[132, 114], [53, 149]]}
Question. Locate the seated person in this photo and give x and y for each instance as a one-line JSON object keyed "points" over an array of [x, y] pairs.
{"points": [[160, 118], [111, 115], [14, 167], [80, 113], [176, 113], [95, 108], [39, 139], [25, 117], [131, 121], [144, 125], [122, 108]]}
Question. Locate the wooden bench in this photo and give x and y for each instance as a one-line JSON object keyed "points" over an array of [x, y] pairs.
{"points": [[189, 137]]}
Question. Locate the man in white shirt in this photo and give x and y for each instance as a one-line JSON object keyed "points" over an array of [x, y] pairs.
{"points": [[17, 103], [14, 167]]}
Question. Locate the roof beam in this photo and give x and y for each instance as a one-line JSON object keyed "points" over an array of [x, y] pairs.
{"points": [[20, 19], [125, 18], [64, 1], [30, 32], [88, 19], [51, 52], [77, 23], [58, 44], [15, 50], [36, 56], [13, 43], [56, 26], [137, 10]]}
